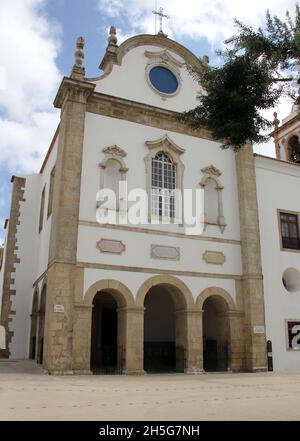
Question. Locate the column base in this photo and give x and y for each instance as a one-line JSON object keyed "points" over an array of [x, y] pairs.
{"points": [[49, 372], [194, 371], [259, 369], [137, 372], [83, 372]]}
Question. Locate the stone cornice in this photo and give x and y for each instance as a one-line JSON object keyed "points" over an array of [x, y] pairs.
{"points": [[116, 57], [77, 91], [285, 125], [165, 141], [156, 232], [120, 108], [151, 270]]}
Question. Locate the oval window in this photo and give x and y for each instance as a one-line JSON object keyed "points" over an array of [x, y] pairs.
{"points": [[163, 80]]}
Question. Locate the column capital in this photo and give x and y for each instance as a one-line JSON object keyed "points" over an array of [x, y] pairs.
{"points": [[83, 306], [74, 90], [132, 309], [189, 311]]}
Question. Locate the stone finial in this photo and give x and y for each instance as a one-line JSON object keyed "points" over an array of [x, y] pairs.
{"points": [[205, 59], [276, 121], [162, 34], [78, 70], [112, 39], [79, 54]]}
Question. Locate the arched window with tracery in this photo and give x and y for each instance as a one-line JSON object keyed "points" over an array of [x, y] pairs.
{"points": [[164, 179], [163, 185]]}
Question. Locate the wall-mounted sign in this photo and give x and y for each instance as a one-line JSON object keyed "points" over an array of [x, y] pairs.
{"points": [[59, 308], [258, 329], [293, 334]]}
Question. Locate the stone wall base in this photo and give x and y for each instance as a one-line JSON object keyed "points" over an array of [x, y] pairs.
{"points": [[4, 353], [59, 372], [138, 372], [82, 372], [257, 370], [194, 371]]}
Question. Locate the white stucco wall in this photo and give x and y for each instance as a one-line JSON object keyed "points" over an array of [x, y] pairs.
{"points": [[129, 81], [101, 132], [135, 280], [44, 236], [278, 188], [138, 246], [25, 270], [33, 253]]}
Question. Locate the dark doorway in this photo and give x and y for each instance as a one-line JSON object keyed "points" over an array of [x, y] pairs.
{"points": [[42, 311], [215, 335], [33, 327], [161, 354], [105, 355]]}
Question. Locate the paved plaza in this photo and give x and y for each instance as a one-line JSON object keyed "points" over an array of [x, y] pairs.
{"points": [[26, 393]]}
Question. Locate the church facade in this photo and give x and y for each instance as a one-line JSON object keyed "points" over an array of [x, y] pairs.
{"points": [[82, 295]]}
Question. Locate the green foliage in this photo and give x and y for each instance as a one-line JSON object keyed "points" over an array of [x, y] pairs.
{"points": [[252, 78]]}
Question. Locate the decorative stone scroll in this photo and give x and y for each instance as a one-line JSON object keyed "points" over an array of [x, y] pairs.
{"points": [[214, 257], [165, 252], [114, 150], [111, 246], [164, 56]]}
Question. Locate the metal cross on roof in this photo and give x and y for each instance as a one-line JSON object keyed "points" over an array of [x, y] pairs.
{"points": [[161, 16]]}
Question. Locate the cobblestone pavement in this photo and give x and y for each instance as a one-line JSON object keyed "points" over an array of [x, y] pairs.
{"points": [[26, 393]]}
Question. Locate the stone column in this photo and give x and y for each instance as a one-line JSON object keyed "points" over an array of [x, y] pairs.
{"points": [[189, 336], [236, 362], [131, 339], [82, 339], [72, 99], [252, 284]]}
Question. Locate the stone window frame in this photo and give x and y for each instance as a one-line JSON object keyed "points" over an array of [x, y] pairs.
{"points": [[163, 59], [297, 213], [50, 196], [213, 173], [42, 209], [166, 145], [117, 154]]}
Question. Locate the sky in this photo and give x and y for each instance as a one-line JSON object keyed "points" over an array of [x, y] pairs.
{"points": [[37, 46]]}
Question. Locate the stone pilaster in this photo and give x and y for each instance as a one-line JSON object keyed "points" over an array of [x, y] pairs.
{"points": [[252, 284], [11, 259], [189, 338], [236, 353], [72, 99], [131, 338], [194, 348], [82, 338]]}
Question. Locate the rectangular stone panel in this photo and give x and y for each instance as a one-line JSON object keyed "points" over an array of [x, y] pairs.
{"points": [[165, 252], [111, 246], [214, 257]]}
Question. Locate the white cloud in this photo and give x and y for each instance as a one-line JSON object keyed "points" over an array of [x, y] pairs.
{"points": [[29, 49], [212, 19]]}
